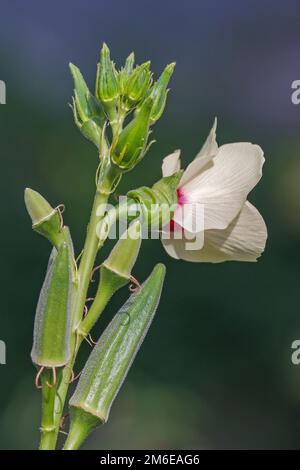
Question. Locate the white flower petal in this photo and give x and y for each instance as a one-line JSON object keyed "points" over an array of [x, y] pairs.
{"points": [[223, 184], [190, 216], [243, 240], [171, 164], [210, 146], [203, 158], [172, 247]]}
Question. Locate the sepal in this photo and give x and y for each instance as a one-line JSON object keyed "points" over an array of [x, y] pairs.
{"points": [[132, 142], [137, 85], [157, 204], [107, 87], [159, 93], [88, 113]]}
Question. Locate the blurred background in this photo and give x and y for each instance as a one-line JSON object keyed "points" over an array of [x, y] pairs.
{"points": [[215, 370]]}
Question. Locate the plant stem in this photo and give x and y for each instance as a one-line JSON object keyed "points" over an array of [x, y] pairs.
{"points": [[48, 426], [117, 123], [82, 424], [88, 258], [97, 307]]}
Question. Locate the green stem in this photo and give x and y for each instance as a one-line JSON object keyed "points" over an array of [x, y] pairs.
{"points": [[82, 424], [90, 249], [88, 258], [48, 425], [116, 119], [107, 285], [101, 300]]}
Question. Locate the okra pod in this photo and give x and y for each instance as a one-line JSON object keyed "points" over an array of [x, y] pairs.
{"points": [[111, 358], [52, 327]]}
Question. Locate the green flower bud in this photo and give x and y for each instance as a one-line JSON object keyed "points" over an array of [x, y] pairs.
{"points": [[157, 204], [132, 142], [88, 113], [129, 63], [111, 358], [125, 72], [45, 219], [124, 254], [115, 272], [159, 93], [52, 327], [137, 85], [107, 81]]}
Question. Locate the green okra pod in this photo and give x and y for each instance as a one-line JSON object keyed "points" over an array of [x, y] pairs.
{"points": [[110, 360], [46, 220], [52, 327]]}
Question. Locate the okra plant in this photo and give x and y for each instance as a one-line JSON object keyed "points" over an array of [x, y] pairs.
{"points": [[201, 215]]}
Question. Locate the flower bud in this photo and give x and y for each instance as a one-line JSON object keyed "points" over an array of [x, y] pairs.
{"points": [[88, 113], [107, 82], [111, 358], [124, 254], [115, 272], [125, 72], [132, 142], [159, 93], [45, 219], [137, 85], [157, 204]]}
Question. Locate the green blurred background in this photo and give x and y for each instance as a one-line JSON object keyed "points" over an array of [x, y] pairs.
{"points": [[215, 370]]}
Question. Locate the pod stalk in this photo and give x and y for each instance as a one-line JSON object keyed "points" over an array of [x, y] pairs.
{"points": [[82, 425]]}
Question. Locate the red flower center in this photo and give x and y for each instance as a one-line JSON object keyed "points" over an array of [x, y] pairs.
{"points": [[181, 197]]}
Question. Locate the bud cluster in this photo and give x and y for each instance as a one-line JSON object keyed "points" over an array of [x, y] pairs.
{"points": [[118, 94]]}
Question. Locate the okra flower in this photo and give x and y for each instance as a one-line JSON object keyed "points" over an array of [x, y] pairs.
{"points": [[218, 182]]}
